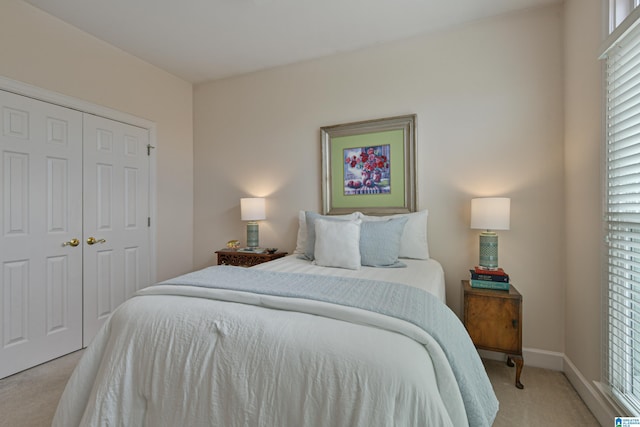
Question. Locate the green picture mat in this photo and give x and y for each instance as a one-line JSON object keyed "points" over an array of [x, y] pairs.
{"points": [[393, 138]]}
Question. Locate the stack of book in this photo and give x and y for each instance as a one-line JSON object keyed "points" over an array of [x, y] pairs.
{"points": [[489, 279]]}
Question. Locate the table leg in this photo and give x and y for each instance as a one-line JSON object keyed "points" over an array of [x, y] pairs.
{"points": [[519, 365]]}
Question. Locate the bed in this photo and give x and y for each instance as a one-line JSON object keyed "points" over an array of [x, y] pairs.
{"points": [[292, 342]]}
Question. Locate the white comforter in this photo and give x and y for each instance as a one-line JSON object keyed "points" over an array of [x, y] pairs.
{"points": [[175, 360]]}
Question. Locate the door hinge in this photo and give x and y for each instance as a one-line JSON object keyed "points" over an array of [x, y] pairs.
{"points": [[149, 147], [148, 221]]}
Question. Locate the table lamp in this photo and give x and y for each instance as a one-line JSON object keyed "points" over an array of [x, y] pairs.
{"points": [[490, 213], [252, 209]]}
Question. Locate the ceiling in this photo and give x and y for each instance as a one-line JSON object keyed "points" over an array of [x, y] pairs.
{"points": [[201, 40]]}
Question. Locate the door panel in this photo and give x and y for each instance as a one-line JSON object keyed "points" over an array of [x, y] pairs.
{"points": [[40, 209], [116, 210]]}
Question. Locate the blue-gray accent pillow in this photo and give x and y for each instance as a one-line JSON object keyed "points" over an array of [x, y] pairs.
{"points": [[380, 242]]}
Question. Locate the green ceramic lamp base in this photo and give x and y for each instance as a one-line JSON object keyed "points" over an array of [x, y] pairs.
{"points": [[488, 250], [252, 234]]}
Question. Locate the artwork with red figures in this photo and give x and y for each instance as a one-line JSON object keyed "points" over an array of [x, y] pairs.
{"points": [[367, 170]]}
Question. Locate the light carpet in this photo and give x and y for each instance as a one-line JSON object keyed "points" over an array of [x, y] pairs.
{"points": [[548, 398]]}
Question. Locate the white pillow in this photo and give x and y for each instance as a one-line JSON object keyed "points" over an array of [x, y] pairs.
{"points": [[337, 243], [414, 237], [301, 241], [311, 218]]}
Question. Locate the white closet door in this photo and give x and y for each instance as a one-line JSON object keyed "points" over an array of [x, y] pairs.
{"points": [[116, 211], [40, 210]]}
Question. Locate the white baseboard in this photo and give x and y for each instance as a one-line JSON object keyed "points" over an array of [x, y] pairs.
{"points": [[532, 357]]}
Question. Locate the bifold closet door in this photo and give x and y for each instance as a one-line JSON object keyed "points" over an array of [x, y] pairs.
{"points": [[116, 217], [40, 241]]}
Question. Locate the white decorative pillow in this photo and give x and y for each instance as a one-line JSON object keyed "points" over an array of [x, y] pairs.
{"points": [[301, 241], [310, 218], [414, 237], [337, 243]]}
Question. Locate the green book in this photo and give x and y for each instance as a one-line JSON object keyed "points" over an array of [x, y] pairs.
{"points": [[487, 284]]}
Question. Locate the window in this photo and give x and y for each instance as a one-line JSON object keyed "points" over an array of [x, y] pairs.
{"points": [[619, 10], [622, 217]]}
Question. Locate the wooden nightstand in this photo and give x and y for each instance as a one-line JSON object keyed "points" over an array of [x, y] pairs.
{"points": [[245, 259], [494, 322]]}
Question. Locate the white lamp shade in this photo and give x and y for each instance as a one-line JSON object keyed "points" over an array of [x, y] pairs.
{"points": [[491, 213], [252, 209]]}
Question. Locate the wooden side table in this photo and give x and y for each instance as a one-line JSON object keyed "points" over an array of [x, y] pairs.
{"points": [[245, 259], [494, 322]]}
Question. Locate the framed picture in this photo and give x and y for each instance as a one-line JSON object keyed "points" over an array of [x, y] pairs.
{"points": [[369, 166]]}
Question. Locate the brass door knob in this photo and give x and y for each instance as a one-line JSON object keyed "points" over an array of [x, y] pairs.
{"points": [[72, 242], [93, 241]]}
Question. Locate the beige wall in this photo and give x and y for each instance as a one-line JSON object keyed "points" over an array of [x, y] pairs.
{"points": [[583, 136], [489, 100], [43, 51]]}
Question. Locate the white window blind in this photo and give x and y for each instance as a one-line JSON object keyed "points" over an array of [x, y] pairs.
{"points": [[622, 370]]}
